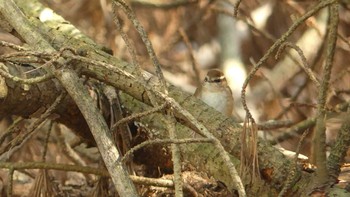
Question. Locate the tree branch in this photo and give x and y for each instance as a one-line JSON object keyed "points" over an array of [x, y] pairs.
{"points": [[70, 81]]}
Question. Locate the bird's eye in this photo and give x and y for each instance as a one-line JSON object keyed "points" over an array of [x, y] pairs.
{"points": [[217, 80]]}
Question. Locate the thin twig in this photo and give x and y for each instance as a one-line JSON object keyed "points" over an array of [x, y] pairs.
{"points": [[261, 32], [132, 52], [283, 38], [82, 169], [304, 64], [294, 172], [13, 46], [236, 7], [274, 124], [32, 127], [13, 78], [138, 115], [319, 139], [10, 181], [175, 153], [195, 66], [339, 149], [169, 117], [11, 129], [43, 157], [53, 56], [294, 131], [131, 15]]}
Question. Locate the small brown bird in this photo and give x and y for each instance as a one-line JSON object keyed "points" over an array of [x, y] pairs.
{"points": [[215, 92]]}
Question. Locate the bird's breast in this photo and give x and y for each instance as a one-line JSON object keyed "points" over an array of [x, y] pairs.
{"points": [[217, 100]]}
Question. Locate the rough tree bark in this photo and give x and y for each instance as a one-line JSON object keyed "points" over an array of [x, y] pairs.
{"points": [[70, 81]]}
